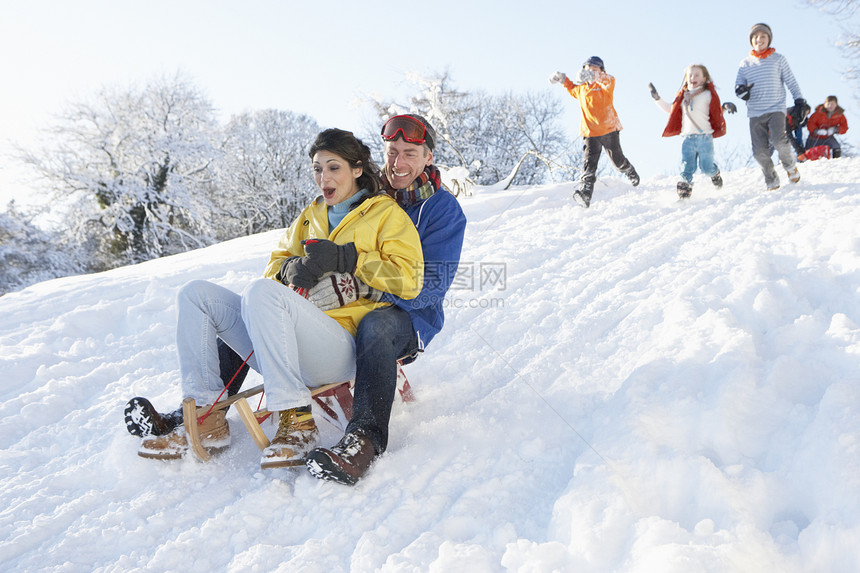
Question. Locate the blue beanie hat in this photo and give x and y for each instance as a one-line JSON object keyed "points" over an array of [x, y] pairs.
{"points": [[594, 61]]}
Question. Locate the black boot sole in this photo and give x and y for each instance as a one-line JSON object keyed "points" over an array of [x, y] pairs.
{"points": [[142, 419], [321, 466]]}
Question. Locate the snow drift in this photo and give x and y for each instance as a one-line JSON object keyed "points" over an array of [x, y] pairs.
{"points": [[646, 385]]}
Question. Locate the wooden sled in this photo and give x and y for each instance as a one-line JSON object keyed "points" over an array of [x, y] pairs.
{"points": [[325, 397]]}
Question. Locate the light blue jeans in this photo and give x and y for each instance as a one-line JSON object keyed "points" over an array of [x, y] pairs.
{"points": [[697, 149], [295, 344]]}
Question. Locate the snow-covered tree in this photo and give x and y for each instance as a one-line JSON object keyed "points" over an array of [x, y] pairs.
{"points": [[264, 177], [846, 11], [28, 254], [494, 137], [131, 171]]}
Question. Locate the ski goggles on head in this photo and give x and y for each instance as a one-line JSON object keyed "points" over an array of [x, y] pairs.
{"points": [[408, 127]]}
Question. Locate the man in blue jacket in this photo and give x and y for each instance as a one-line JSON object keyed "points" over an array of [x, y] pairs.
{"points": [[403, 329]]}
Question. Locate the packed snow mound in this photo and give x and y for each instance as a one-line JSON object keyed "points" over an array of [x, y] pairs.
{"points": [[646, 385]]}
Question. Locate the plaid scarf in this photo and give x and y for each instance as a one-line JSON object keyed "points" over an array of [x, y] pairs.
{"points": [[423, 187]]}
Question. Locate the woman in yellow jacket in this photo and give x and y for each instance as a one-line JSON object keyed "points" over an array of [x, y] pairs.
{"points": [[599, 126], [351, 228]]}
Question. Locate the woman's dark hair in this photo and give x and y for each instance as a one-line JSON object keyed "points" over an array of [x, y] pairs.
{"points": [[349, 148]]}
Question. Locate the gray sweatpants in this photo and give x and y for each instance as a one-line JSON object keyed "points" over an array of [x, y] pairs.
{"points": [[765, 130]]}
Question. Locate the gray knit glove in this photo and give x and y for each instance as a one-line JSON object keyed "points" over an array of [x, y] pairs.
{"points": [[339, 289], [585, 76]]}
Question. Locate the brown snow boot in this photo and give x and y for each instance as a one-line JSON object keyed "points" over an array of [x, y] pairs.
{"points": [[297, 434], [344, 463], [214, 437]]}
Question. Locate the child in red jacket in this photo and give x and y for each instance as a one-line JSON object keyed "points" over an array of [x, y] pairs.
{"points": [[824, 124], [697, 116]]}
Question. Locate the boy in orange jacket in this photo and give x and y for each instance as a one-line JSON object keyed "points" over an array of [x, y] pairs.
{"points": [[599, 127]]}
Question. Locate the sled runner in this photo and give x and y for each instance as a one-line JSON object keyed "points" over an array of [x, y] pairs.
{"points": [[325, 397]]}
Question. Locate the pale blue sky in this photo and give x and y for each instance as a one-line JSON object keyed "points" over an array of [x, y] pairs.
{"points": [[320, 57]]}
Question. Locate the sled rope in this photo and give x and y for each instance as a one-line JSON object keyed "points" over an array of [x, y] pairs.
{"points": [[212, 407]]}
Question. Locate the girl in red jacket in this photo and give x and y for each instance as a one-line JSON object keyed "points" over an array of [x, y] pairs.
{"points": [[824, 124], [696, 115]]}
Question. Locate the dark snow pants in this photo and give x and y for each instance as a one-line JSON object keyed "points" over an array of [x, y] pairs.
{"points": [[384, 336], [592, 147]]}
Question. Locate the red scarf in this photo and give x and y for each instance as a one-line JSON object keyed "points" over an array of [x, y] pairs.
{"points": [[762, 55]]}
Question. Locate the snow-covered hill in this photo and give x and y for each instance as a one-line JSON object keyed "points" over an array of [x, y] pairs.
{"points": [[646, 385]]}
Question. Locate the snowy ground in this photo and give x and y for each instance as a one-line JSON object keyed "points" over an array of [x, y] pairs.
{"points": [[642, 386]]}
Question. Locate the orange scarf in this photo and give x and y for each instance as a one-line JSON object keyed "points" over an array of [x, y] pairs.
{"points": [[762, 55]]}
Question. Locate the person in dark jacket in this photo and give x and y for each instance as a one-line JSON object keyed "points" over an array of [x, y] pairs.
{"points": [[795, 120]]}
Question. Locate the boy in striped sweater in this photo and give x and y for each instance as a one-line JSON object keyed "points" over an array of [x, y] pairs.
{"points": [[761, 82]]}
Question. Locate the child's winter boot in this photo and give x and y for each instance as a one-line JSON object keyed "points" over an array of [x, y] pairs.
{"points": [[632, 176], [685, 189], [717, 180], [793, 174]]}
